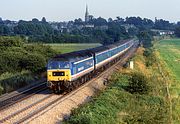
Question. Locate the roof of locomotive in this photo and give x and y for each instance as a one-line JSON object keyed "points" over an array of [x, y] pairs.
{"points": [[73, 56], [83, 54]]}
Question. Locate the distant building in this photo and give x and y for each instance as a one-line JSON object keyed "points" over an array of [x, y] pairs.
{"points": [[166, 32], [163, 32], [61, 26], [87, 16]]}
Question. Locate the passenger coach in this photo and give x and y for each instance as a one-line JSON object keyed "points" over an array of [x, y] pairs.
{"points": [[66, 71]]}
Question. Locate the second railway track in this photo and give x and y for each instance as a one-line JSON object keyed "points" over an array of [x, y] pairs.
{"points": [[17, 116], [7, 102]]}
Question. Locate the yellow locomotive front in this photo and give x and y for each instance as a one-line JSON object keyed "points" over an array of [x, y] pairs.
{"points": [[58, 75]]}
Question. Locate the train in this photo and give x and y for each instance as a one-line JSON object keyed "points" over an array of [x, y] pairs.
{"points": [[68, 71]]}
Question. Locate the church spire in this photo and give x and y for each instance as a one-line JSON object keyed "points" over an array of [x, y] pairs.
{"points": [[86, 14]]}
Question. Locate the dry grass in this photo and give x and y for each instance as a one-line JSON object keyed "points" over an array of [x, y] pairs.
{"points": [[140, 62]]}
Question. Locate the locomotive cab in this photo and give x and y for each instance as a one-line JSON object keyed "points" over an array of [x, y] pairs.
{"points": [[58, 73]]}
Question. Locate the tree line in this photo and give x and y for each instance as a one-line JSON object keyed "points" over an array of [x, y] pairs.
{"points": [[104, 31]]}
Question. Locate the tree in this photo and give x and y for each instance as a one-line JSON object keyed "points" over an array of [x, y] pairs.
{"points": [[145, 38], [120, 20], [11, 41], [1, 20], [35, 20], [99, 21], [177, 31], [147, 23], [36, 30], [163, 25], [110, 20], [4, 30], [78, 21], [43, 20], [178, 23], [137, 21], [133, 31]]}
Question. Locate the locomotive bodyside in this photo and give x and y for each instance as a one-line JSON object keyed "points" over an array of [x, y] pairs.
{"points": [[82, 67]]}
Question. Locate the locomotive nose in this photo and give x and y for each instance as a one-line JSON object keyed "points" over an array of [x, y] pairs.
{"points": [[59, 75]]}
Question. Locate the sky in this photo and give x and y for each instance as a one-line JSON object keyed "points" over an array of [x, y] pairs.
{"points": [[66, 10]]}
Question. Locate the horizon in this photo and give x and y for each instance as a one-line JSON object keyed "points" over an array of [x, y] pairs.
{"points": [[84, 20], [59, 11]]}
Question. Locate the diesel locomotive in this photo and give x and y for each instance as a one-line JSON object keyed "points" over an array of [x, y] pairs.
{"points": [[67, 71]]}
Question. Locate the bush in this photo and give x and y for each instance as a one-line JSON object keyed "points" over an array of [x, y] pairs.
{"points": [[9, 61], [33, 62], [138, 83], [17, 57], [44, 50], [150, 57], [7, 41], [135, 83], [148, 52], [12, 81], [18, 61]]}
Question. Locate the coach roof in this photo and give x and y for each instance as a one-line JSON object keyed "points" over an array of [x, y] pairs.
{"points": [[83, 54], [106, 47]]}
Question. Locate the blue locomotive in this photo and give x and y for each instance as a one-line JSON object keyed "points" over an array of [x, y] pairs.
{"points": [[66, 71]]}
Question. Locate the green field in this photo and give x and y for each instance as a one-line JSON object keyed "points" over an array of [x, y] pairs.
{"points": [[65, 48], [170, 54]]}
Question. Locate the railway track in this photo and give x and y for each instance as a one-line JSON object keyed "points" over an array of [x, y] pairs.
{"points": [[27, 113], [40, 109], [16, 116], [18, 97]]}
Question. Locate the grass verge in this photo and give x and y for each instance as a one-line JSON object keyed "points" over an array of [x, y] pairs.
{"points": [[118, 104], [169, 55], [11, 81]]}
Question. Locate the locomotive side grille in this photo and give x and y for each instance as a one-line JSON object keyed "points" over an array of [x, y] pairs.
{"points": [[58, 73]]}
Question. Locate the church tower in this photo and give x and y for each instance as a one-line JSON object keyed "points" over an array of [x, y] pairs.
{"points": [[87, 15]]}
